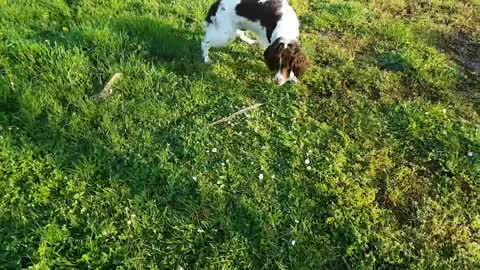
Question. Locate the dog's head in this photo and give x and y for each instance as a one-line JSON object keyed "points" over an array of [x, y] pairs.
{"points": [[287, 60]]}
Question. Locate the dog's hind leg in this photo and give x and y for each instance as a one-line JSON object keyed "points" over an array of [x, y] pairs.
{"points": [[216, 37], [205, 47]]}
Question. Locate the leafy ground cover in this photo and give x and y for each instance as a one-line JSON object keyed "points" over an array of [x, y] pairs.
{"points": [[373, 162]]}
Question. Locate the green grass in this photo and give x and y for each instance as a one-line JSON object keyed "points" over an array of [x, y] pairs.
{"points": [[387, 119]]}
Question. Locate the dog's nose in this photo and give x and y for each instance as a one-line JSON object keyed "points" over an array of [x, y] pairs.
{"points": [[279, 80]]}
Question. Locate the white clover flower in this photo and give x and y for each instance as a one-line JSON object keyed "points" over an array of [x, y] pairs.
{"points": [[307, 161], [129, 222], [296, 221], [309, 168], [293, 242], [214, 150], [444, 110], [470, 153], [194, 178], [260, 176]]}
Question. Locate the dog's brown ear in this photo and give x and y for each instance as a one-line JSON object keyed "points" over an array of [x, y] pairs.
{"points": [[300, 64], [272, 55]]}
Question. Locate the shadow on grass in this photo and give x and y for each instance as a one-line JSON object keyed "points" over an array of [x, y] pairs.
{"points": [[15, 248], [465, 51]]}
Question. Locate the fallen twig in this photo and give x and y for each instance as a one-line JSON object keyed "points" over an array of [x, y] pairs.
{"points": [[108, 89], [242, 111]]}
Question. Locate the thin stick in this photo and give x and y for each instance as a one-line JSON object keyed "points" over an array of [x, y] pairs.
{"points": [[108, 89], [242, 111]]}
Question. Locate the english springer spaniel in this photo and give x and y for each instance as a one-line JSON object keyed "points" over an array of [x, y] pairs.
{"points": [[273, 22]]}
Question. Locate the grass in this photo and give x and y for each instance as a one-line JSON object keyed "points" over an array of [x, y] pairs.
{"points": [[373, 162]]}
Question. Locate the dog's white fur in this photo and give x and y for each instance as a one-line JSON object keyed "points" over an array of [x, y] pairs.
{"points": [[226, 25]]}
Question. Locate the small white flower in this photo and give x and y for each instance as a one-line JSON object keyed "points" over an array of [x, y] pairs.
{"points": [[427, 113], [11, 83], [293, 242], [444, 110], [470, 153], [273, 176], [296, 221], [214, 150], [194, 178], [260, 176], [309, 168], [307, 161], [223, 164], [227, 161], [444, 132], [133, 216], [251, 163], [129, 222]]}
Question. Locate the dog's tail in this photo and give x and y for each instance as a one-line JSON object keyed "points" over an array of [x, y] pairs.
{"points": [[212, 12]]}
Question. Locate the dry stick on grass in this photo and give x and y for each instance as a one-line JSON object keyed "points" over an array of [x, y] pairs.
{"points": [[108, 89], [228, 118]]}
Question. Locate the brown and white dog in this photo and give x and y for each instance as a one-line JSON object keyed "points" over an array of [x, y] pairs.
{"points": [[273, 22]]}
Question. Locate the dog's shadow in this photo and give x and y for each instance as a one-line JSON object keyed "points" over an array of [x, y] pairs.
{"points": [[176, 48]]}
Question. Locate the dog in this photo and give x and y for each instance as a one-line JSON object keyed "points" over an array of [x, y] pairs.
{"points": [[273, 22]]}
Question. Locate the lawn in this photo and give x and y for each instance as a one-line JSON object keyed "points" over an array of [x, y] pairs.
{"points": [[372, 162]]}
